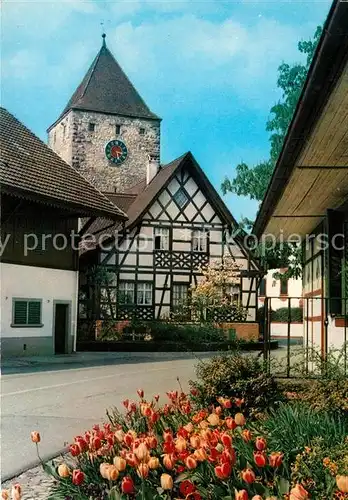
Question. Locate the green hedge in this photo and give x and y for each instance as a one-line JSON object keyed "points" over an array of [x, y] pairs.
{"points": [[282, 315]]}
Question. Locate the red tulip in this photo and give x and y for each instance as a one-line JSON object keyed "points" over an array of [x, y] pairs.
{"points": [[230, 423], [143, 470], [223, 471], [140, 393], [96, 443], [260, 443], [186, 488], [74, 450], [260, 458], [248, 475], [227, 403], [156, 398], [77, 477], [168, 462], [229, 455], [226, 440], [127, 485], [275, 459]]}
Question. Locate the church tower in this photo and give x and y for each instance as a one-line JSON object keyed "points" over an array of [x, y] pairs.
{"points": [[106, 130]]}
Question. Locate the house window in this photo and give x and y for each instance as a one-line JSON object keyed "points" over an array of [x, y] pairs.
{"points": [[117, 129], [232, 293], [180, 294], [180, 197], [262, 289], [142, 131], [91, 127], [126, 293], [199, 241], [161, 238], [144, 294], [283, 286], [26, 312]]}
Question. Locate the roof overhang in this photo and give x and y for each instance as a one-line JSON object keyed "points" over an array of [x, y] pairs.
{"points": [[75, 209], [311, 174]]}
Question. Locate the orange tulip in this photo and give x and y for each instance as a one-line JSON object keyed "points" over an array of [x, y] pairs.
{"points": [[168, 462], [5, 495], [35, 437], [213, 419], [248, 475], [241, 495], [191, 462], [143, 470], [166, 482], [195, 441], [342, 483], [239, 419], [257, 497], [119, 435], [246, 435], [230, 423], [63, 470], [200, 454], [298, 493], [275, 459], [153, 463], [142, 452], [120, 463], [180, 444], [189, 427]]}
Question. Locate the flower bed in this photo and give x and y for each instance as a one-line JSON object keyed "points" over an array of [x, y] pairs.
{"points": [[174, 451]]}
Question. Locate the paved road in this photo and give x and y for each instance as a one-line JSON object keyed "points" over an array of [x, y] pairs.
{"points": [[69, 399]]}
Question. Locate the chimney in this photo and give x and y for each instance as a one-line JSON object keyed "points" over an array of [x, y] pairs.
{"points": [[153, 167]]}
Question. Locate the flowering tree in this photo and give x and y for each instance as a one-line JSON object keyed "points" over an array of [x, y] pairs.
{"points": [[216, 292]]}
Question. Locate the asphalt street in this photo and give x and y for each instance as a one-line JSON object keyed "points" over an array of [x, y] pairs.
{"points": [[68, 399]]}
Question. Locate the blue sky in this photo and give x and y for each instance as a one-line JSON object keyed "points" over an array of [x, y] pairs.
{"points": [[208, 68]]}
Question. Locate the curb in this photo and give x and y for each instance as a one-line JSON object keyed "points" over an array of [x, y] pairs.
{"points": [[33, 464]]}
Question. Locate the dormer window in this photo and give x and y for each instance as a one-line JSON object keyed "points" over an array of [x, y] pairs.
{"points": [[117, 129], [199, 241], [91, 127]]}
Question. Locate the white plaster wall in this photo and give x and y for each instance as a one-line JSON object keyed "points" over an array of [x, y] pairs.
{"points": [[336, 335], [273, 291], [37, 283], [281, 330]]}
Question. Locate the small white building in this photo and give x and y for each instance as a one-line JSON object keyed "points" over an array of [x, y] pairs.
{"points": [[42, 198]]}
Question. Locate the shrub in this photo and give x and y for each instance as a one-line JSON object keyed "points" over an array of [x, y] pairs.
{"points": [[292, 427], [283, 313], [234, 375]]}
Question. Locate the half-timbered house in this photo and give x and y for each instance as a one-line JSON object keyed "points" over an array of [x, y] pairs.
{"points": [[177, 225], [42, 199]]}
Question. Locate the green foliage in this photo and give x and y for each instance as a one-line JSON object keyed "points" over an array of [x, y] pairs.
{"points": [[291, 427], [317, 466], [234, 375], [283, 314]]}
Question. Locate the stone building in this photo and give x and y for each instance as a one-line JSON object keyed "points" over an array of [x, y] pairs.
{"points": [[106, 130]]}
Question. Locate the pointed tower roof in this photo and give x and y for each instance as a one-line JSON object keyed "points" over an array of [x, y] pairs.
{"points": [[106, 89]]}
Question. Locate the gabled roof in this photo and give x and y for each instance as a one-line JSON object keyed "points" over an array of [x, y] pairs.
{"points": [[106, 89], [31, 170]]}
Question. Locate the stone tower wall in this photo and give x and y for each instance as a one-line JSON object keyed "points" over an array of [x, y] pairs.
{"points": [[85, 150]]}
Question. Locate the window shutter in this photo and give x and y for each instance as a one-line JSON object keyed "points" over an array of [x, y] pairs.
{"points": [[20, 312], [335, 257], [34, 313]]}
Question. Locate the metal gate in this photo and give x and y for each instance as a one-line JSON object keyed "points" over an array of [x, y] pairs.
{"points": [[308, 337]]}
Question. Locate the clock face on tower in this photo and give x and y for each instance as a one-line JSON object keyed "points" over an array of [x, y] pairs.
{"points": [[116, 151]]}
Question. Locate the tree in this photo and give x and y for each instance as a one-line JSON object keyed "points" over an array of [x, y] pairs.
{"points": [[253, 181]]}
